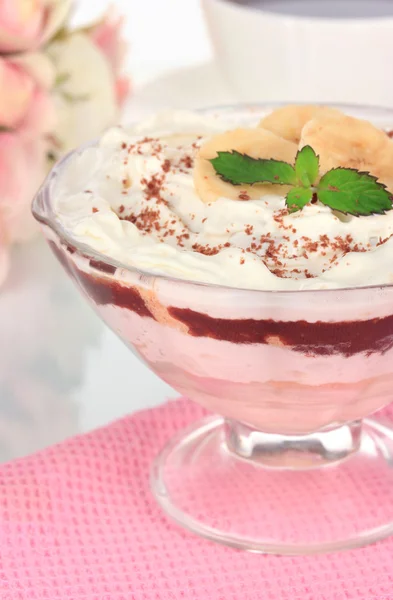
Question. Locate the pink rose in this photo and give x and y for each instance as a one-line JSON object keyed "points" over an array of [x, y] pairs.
{"points": [[27, 115], [25, 103], [107, 37], [4, 255], [27, 24], [23, 166]]}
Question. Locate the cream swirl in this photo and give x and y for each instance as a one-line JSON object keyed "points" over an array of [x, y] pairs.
{"points": [[132, 198]]}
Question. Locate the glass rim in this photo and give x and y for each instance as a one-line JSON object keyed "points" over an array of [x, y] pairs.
{"points": [[42, 209]]}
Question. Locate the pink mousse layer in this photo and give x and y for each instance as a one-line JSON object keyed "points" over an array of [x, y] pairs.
{"points": [[271, 388], [308, 376]]}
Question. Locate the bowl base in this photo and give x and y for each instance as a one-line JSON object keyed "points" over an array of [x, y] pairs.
{"points": [[211, 491]]}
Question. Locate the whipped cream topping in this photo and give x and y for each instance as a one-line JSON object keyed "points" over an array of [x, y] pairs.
{"points": [[131, 197]]}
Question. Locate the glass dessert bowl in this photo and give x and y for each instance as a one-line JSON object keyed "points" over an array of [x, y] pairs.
{"points": [[293, 464]]}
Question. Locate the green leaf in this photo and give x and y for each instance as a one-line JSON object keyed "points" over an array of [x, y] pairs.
{"points": [[237, 168], [297, 198], [306, 166], [72, 98], [353, 192], [62, 78]]}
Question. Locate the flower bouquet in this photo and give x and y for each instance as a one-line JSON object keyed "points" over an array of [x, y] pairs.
{"points": [[59, 87]]}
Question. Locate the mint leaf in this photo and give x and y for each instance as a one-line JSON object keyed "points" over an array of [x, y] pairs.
{"points": [[237, 168], [353, 192], [345, 190], [306, 166], [297, 198]]}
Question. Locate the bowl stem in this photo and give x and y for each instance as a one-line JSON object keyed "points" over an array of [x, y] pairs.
{"points": [[293, 451]]}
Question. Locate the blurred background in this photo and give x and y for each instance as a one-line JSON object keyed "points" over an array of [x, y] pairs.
{"points": [[68, 70], [163, 35]]}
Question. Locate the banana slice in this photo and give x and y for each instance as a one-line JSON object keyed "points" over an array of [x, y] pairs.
{"points": [[352, 143], [257, 143], [288, 121]]}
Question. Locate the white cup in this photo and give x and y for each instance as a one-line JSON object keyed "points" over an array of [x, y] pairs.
{"points": [[268, 56]]}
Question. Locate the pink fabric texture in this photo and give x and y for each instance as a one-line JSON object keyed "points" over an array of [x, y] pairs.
{"points": [[78, 522]]}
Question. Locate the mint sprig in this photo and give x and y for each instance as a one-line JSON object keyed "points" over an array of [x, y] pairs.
{"points": [[298, 197], [342, 189], [306, 166], [354, 192], [237, 168]]}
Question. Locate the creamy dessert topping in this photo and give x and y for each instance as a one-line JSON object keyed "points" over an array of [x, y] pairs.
{"points": [[151, 199]]}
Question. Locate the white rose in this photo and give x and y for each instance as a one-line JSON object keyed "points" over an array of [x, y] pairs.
{"points": [[85, 94]]}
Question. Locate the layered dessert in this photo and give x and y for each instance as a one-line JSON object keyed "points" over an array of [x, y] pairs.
{"points": [[245, 256]]}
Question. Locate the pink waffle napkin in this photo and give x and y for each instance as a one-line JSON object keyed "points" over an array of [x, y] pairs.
{"points": [[77, 521]]}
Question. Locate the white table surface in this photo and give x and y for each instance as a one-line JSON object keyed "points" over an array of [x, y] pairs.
{"points": [[62, 371]]}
